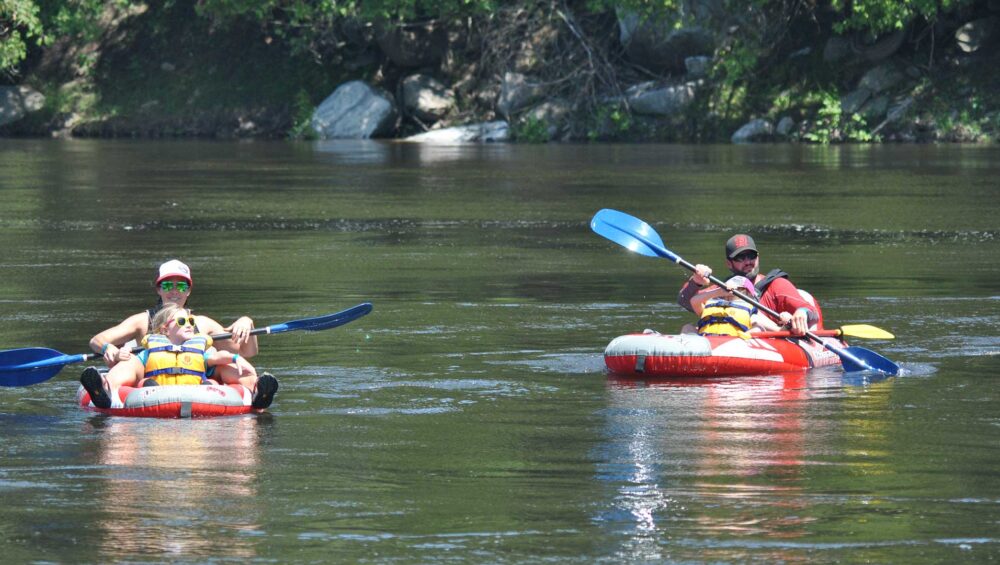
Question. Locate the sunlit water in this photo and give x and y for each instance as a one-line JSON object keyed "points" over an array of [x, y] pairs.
{"points": [[469, 417]]}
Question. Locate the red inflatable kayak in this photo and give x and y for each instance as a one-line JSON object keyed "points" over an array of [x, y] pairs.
{"points": [[178, 401], [691, 355]]}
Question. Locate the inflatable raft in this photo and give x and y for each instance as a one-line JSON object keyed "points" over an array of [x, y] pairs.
{"points": [[691, 355], [179, 401]]}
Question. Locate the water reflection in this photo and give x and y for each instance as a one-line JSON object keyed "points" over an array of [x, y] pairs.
{"points": [[176, 487], [704, 458]]}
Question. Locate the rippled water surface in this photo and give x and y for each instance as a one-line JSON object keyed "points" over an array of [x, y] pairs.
{"points": [[469, 417]]}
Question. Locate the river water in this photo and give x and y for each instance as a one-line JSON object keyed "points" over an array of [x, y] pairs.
{"points": [[469, 418]]}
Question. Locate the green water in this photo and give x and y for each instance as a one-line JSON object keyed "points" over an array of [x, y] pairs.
{"points": [[468, 418]]}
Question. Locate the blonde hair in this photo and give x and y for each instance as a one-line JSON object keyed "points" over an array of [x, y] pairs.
{"points": [[167, 313]]}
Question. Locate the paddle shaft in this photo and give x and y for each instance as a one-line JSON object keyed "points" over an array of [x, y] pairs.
{"points": [[786, 333], [215, 337]]}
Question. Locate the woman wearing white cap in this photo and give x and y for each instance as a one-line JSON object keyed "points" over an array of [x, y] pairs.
{"points": [[173, 285]]}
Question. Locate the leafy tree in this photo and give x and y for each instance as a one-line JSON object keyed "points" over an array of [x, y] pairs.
{"points": [[19, 23]]}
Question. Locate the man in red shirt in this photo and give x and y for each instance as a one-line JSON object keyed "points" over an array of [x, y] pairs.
{"points": [[776, 291]]}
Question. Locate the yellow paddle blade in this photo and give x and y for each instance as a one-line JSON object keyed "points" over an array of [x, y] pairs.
{"points": [[866, 331]]}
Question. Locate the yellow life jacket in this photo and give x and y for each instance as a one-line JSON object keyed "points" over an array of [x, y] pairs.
{"points": [[721, 317], [171, 364]]}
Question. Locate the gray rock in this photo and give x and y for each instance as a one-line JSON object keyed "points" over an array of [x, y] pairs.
{"points": [[517, 91], [355, 110], [976, 34], [853, 101], [837, 49], [882, 77], [894, 115], [473, 133], [875, 108], [697, 66], [785, 126], [426, 98], [881, 48], [17, 102], [659, 99], [898, 110], [554, 113], [752, 131]]}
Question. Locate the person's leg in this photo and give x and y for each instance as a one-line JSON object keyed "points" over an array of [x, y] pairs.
{"points": [[230, 375], [102, 388]]}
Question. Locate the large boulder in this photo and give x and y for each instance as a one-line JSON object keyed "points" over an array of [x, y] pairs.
{"points": [[517, 91], [355, 110], [754, 130], [880, 78], [425, 97], [875, 49], [660, 99], [17, 102], [785, 127]]}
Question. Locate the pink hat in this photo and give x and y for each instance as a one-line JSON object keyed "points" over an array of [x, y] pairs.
{"points": [[174, 268], [744, 285]]}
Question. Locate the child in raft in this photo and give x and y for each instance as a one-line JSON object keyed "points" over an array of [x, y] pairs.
{"points": [[720, 312], [174, 355]]}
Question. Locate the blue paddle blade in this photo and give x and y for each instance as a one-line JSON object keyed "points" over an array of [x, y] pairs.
{"points": [[324, 322], [630, 232], [32, 365], [873, 361]]}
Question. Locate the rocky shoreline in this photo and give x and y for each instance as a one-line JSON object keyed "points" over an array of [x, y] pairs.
{"points": [[558, 78]]}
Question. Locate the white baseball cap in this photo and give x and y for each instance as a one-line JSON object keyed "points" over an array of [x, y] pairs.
{"points": [[174, 268], [744, 285]]}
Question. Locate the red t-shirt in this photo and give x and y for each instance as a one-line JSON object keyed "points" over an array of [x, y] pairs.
{"points": [[782, 296]]}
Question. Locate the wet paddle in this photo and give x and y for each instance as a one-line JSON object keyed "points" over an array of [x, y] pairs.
{"points": [[638, 236], [856, 330], [32, 365]]}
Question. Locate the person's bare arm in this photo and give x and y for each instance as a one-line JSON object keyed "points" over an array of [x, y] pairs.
{"points": [[108, 342]]}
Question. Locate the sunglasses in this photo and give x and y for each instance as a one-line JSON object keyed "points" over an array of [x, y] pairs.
{"points": [[745, 256], [167, 286], [184, 321]]}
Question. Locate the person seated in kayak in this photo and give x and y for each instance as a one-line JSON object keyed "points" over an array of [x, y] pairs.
{"points": [[774, 289], [721, 312], [174, 355], [174, 285]]}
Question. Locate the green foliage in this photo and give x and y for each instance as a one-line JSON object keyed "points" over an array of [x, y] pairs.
{"points": [[289, 17], [19, 22], [654, 9], [831, 125], [531, 130], [302, 112], [881, 16], [732, 70], [609, 123]]}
